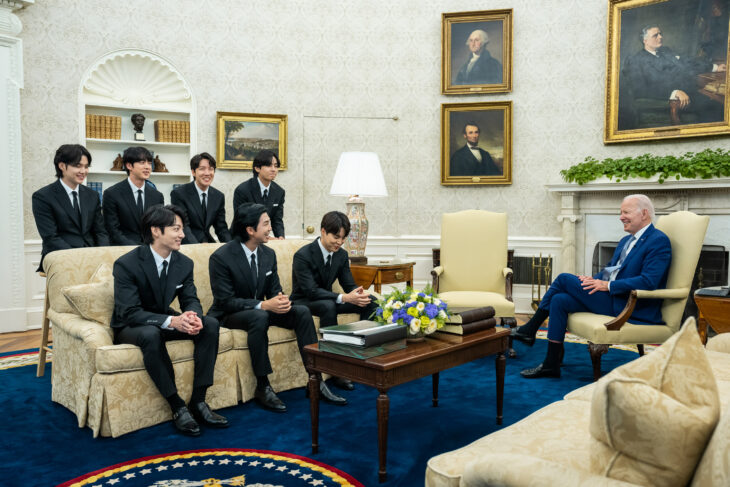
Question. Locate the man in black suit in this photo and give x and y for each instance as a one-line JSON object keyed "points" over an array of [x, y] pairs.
{"points": [[146, 281], [471, 160], [247, 295], [317, 266], [126, 202], [67, 213], [204, 205], [481, 68], [658, 73], [262, 189]]}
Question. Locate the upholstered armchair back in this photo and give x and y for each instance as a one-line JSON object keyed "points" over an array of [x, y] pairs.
{"points": [[686, 231], [473, 251]]}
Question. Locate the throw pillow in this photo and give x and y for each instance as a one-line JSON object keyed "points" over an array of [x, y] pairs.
{"points": [[651, 419], [93, 301]]}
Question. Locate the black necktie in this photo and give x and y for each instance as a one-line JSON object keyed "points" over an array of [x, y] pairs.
{"points": [[328, 265], [205, 209], [254, 272], [76, 206], [266, 195], [140, 204], [163, 278]]}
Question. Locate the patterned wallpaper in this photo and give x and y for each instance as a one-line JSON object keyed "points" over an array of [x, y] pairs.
{"points": [[341, 70]]}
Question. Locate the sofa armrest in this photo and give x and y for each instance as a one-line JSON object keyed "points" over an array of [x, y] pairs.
{"points": [[94, 335], [524, 470]]}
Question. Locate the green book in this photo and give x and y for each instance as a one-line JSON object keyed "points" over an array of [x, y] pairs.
{"points": [[360, 352], [362, 327]]}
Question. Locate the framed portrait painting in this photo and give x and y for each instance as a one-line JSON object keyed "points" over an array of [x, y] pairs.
{"points": [[243, 135], [476, 52], [476, 143], [666, 69]]}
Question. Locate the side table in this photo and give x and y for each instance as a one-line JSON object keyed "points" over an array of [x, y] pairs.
{"points": [[367, 275], [715, 311]]}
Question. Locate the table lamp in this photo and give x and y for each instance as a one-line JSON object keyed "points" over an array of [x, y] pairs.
{"points": [[358, 174]]}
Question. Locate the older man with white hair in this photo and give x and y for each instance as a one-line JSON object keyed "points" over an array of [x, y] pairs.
{"points": [[481, 68], [641, 261]]}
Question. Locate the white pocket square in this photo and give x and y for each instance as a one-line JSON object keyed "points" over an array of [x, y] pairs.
{"points": [[178, 286], [275, 204], [268, 273]]}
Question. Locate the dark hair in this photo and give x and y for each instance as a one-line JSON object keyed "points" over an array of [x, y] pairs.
{"points": [[70, 154], [263, 158], [246, 215], [133, 155], [195, 161], [334, 221], [160, 216], [473, 124]]}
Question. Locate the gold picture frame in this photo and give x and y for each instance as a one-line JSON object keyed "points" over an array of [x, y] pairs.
{"points": [[660, 82], [492, 122], [256, 132], [479, 66]]}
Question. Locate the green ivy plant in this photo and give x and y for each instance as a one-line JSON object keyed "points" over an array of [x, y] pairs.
{"points": [[701, 165]]}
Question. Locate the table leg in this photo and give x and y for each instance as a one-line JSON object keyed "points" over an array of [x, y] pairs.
{"points": [[383, 404], [314, 409], [435, 384], [500, 362]]}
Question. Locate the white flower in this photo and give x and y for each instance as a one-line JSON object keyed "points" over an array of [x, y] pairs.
{"points": [[397, 305], [442, 314], [432, 325], [420, 307], [436, 301], [415, 326], [427, 298], [414, 296], [390, 319], [389, 304]]}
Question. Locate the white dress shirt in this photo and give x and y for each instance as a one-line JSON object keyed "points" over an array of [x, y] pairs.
{"points": [[158, 262]]}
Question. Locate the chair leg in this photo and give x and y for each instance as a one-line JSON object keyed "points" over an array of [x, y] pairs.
{"points": [[512, 323], [596, 351], [41, 370], [640, 348]]}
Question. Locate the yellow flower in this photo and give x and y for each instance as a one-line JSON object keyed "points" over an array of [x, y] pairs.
{"points": [[425, 320], [412, 312]]}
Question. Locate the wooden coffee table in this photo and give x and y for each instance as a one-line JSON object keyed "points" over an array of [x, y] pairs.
{"points": [[437, 352]]}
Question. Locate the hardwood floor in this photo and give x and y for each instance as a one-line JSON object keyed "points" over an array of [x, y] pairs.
{"points": [[9, 342]]}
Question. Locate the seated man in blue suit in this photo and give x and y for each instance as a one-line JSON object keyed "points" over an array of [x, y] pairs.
{"points": [[641, 261]]}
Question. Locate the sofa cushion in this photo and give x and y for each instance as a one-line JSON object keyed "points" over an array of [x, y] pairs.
{"points": [[93, 301], [469, 299], [111, 359], [719, 343], [651, 418]]}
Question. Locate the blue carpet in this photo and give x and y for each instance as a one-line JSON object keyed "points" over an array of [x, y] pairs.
{"points": [[40, 444]]}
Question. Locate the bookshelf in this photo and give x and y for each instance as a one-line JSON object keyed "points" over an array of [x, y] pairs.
{"points": [[128, 81]]}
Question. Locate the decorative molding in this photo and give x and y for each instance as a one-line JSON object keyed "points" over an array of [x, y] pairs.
{"points": [[639, 185], [10, 24]]}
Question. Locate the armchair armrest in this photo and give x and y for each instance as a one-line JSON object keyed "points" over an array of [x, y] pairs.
{"points": [[508, 275], [435, 273], [618, 322]]}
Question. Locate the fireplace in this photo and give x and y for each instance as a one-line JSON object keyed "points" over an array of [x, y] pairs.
{"points": [[712, 268]]}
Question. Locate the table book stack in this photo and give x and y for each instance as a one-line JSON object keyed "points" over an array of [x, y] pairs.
{"points": [[362, 339], [467, 321]]}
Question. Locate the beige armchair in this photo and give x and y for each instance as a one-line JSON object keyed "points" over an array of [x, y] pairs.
{"points": [[473, 268], [686, 232]]}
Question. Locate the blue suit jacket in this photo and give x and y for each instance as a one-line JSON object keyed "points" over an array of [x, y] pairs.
{"points": [[646, 267]]}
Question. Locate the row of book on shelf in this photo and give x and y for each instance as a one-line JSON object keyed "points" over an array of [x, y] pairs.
{"points": [[172, 131], [103, 127], [367, 339]]}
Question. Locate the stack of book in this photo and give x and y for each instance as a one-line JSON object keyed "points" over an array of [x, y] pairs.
{"points": [[103, 127], [172, 131], [362, 339], [466, 321]]}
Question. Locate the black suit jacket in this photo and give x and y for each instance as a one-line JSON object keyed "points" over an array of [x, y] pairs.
{"points": [[138, 299], [198, 231], [486, 70], [250, 192], [58, 223], [121, 217], [232, 282], [463, 163], [309, 280]]}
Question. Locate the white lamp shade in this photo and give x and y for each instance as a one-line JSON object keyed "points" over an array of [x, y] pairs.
{"points": [[358, 173]]}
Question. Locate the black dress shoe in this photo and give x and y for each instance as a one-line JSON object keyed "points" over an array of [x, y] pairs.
{"points": [[268, 399], [330, 396], [345, 384], [516, 335], [185, 423], [203, 415], [539, 372]]}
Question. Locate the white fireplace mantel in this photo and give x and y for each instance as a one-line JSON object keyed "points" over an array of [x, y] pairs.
{"points": [[587, 211]]}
